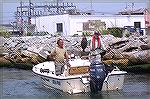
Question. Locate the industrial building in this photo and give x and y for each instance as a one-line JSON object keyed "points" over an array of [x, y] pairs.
{"points": [[75, 24]]}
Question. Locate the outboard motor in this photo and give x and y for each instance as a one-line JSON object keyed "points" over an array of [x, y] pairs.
{"points": [[97, 76]]}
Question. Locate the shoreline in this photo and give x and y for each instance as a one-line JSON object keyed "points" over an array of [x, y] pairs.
{"points": [[136, 69], [18, 66]]}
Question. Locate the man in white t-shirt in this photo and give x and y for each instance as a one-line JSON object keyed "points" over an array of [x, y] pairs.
{"points": [[59, 53]]}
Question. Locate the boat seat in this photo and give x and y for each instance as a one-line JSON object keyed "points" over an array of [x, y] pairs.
{"points": [[79, 70]]}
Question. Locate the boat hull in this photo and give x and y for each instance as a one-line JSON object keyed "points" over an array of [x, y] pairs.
{"points": [[113, 82], [67, 85], [76, 83]]}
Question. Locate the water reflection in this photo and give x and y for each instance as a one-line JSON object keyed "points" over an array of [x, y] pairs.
{"points": [[16, 84]]}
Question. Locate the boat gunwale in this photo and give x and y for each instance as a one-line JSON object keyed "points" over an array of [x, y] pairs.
{"points": [[64, 78], [76, 77]]}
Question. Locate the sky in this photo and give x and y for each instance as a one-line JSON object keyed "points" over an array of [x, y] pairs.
{"points": [[8, 7]]}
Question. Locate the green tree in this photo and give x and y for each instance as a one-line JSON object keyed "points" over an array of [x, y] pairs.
{"points": [[104, 32], [4, 32], [29, 34], [117, 32]]}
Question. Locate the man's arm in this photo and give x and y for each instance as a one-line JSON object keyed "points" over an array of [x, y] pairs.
{"points": [[66, 56]]}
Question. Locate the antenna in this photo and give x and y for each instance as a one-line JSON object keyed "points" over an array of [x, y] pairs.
{"points": [[29, 12], [148, 4], [132, 6], [126, 6], [91, 5], [21, 20]]}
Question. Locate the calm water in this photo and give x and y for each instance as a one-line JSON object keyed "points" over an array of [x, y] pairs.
{"points": [[23, 84]]}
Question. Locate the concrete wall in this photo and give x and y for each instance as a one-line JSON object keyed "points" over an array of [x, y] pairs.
{"points": [[73, 24], [48, 23], [111, 21]]}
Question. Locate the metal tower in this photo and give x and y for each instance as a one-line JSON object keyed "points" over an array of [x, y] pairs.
{"points": [[28, 10]]}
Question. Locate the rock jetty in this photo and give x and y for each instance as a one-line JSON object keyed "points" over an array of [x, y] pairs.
{"points": [[133, 50], [34, 49]]}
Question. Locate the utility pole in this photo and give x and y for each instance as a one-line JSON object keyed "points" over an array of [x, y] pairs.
{"points": [[148, 5], [91, 5], [57, 6], [1, 10], [132, 7], [148, 17], [29, 13], [21, 24]]}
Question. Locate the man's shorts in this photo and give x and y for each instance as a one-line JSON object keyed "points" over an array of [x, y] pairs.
{"points": [[59, 69]]}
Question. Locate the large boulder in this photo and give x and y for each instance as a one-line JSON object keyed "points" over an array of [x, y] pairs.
{"points": [[148, 43], [118, 54], [25, 60], [4, 61], [140, 56], [108, 56], [123, 62], [113, 54]]}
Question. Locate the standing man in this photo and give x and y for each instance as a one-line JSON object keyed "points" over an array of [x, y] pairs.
{"points": [[60, 54], [96, 45], [96, 42], [84, 43]]}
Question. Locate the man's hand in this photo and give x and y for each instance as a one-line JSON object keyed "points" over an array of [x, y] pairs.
{"points": [[68, 65]]}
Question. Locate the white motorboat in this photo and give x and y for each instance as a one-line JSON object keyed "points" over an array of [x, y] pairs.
{"points": [[82, 76]]}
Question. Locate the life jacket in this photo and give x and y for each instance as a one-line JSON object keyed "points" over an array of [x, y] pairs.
{"points": [[94, 43]]}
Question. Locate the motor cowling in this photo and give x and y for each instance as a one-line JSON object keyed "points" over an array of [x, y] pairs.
{"points": [[97, 76]]}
